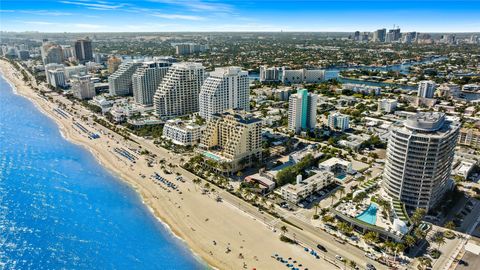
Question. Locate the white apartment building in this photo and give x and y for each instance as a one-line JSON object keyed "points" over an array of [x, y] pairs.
{"points": [[224, 88], [120, 82], [146, 79], [75, 70], [419, 159], [179, 90], [336, 166], [52, 66], [387, 105], [233, 138], [302, 76], [269, 74], [302, 111], [83, 87], [303, 188], [363, 88], [182, 133], [338, 121], [56, 78], [426, 89]]}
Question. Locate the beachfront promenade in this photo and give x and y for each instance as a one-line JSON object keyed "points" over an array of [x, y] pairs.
{"points": [[309, 236]]}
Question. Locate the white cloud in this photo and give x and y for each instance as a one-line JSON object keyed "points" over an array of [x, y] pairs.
{"points": [[178, 17], [38, 22], [46, 12], [98, 5], [198, 5]]}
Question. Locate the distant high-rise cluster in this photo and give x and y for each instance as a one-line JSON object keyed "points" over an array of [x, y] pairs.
{"points": [[390, 36], [190, 48]]}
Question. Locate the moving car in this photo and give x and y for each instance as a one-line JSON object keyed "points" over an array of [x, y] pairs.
{"points": [[340, 258], [322, 248]]}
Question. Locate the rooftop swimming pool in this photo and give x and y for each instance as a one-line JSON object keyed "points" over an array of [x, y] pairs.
{"points": [[212, 156], [370, 215], [341, 177]]}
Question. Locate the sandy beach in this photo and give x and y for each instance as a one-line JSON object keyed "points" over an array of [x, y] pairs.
{"points": [[220, 233]]}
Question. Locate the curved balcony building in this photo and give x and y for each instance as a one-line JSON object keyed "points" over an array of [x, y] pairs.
{"points": [[419, 159]]}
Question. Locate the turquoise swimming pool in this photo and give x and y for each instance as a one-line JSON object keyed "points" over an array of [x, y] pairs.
{"points": [[212, 156], [369, 215]]}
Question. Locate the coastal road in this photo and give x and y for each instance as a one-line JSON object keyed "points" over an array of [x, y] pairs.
{"points": [[309, 236]]}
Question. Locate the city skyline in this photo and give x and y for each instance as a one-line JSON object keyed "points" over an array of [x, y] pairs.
{"points": [[209, 15]]}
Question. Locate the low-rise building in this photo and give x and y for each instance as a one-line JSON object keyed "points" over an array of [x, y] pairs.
{"points": [[354, 141], [337, 166], [362, 88], [182, 133], [469, 137], [264, 180], [304, 188]]}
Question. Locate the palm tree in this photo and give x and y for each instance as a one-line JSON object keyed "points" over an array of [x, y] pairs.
{"points": [[419, 234], [409, 240], [418, 215], [352, 264], [438, 238], [333, 196], [450, 225], [345, 228], [207, 185], [390, 246], [283, 229], [371, 237]]}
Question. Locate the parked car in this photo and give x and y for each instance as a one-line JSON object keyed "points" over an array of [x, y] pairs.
{"points": [[354, 238], [370, 267], [340, 241], [369, 255], [340, 258]]}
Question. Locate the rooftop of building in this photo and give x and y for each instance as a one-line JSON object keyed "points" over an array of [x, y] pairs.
{"points": [[240, 116], [333, 161], [425, 121], [182, 124]]}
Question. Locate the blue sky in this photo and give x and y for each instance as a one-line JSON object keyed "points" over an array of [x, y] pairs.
{"points": [[230, 15]]}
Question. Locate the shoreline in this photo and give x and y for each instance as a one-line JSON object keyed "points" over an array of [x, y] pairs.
{"points": [[195, 219], [155, 215]]}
